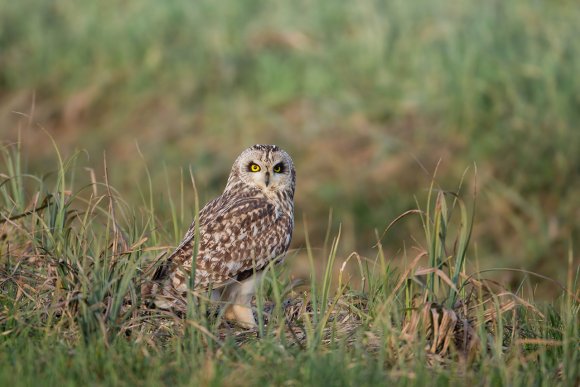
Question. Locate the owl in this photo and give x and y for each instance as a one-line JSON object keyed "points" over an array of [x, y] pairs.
{"points": [[240, 232]]}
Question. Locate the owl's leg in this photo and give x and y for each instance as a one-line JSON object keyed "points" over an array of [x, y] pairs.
{"points": [[242, 315], [239, 297]]}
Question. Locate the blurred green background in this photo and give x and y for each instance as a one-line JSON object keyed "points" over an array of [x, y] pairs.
{"points": [[368, 97]]}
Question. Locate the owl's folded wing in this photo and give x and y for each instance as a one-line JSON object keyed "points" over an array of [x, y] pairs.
{"points": [[162, 271], [239, 237], [243, 235]]}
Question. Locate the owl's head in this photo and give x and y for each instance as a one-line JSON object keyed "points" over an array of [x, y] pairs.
{"points": [[265, 167]]}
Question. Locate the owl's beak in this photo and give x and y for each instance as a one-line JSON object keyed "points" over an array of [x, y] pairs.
{"points": [[267, 178]]}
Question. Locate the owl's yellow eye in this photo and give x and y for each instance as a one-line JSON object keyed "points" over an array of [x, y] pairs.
{"points": [[278, 168], [254, 167]]}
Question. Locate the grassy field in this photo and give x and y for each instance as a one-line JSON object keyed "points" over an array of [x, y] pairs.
{"points": [[106, 107], [72, 269]]}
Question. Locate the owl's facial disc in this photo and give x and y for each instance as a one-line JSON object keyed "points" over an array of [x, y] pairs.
{"points": [[268, 175], [266, 167]]}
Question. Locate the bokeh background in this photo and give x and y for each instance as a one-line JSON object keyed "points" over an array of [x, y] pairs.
{"points": [[369, 96]]}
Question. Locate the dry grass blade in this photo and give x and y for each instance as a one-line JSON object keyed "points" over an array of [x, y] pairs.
{"points": [[440, 273], [45, 203], [118, 236]]}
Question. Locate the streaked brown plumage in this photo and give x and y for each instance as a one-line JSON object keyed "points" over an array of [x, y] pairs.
{"points": [[240, 232]]}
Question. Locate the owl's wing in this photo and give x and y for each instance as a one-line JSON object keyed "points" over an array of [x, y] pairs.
{"points": [[239, 237], [162, 271], [243, 235]]}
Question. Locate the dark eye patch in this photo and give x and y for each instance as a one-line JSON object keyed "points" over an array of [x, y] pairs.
{"points": [[279, 168], [253, 167]]}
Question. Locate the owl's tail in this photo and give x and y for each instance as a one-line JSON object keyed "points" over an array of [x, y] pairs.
{"points": [[160, 294], [149, 290], [157, 292]]}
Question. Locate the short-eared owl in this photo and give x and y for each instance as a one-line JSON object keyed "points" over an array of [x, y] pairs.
{"points": [[240, 232]]}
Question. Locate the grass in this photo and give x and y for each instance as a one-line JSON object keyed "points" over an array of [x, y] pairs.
{"points": [[71, 311]]}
